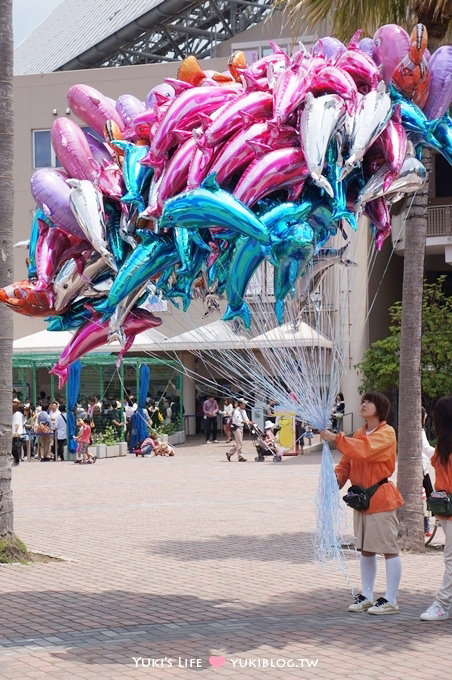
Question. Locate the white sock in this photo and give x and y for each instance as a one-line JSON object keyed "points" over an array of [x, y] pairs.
{"points": [[368, 565], [393, 575]]}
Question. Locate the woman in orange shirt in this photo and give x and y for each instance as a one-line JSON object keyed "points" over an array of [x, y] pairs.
{"points": [[369, 458], [442, 464]]}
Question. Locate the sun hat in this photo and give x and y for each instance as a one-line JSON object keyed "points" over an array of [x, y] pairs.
{"points": [[242, 401], [269, 425]]}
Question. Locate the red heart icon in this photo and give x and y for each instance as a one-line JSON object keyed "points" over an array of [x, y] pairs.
{"points": [[217, 661]]}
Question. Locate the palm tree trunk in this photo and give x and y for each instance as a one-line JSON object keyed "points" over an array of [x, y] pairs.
{"points": [[6, 260], [409, 476]]}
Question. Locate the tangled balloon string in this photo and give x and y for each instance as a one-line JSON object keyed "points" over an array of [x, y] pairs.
{"points": [[216, 173]]}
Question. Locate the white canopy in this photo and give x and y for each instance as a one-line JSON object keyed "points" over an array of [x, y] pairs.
{"points": [[288, 336], [217, 335], [50, 342]]}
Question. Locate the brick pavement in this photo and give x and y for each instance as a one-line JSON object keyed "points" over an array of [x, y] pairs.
{"points": [[172, 560]]}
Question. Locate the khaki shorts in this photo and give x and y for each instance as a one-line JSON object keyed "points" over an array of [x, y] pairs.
{"points": [[376, 533]]}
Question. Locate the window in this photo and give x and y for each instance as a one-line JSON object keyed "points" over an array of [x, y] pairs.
{"points": [[443, 177]]}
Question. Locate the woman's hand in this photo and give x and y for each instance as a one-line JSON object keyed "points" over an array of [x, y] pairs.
{"points": [[327, 435]]}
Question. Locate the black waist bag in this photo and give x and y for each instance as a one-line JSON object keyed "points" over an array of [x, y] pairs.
{"points": [[358, 498], [440, 503]]}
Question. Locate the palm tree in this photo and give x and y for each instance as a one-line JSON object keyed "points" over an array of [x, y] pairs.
{"points": [[345, 17], [6, 261]]}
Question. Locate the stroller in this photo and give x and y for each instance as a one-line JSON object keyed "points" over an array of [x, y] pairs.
{"points": [[263, 448]]}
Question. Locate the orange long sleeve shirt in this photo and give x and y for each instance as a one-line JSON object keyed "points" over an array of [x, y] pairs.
{"points": [[366, 459], [443, 475]]}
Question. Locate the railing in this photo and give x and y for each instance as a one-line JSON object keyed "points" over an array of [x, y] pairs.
{"points": [[439, 220]]}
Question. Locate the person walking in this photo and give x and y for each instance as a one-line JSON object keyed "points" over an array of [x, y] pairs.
{"points": [[239, 420], [442, 464], [210, 410], [368, 460]]}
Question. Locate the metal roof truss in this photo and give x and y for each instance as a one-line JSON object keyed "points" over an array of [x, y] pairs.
{"points": [[187, 27]]}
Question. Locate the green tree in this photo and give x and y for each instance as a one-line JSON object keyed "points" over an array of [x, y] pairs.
{"points": [[345, 17], [6, 261], [380, 366]]}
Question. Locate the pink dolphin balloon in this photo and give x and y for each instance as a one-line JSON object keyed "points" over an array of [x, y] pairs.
{"points": [[51, 193], [53, 248], [249, 143], [184, 113], [361, 68], [200, 163], [283, 168], [92, 107], [73, 150], [290, 90], [440, 93], [95, 333], [393, 142], [174, 177], [330, 80], [255, 105], [391, 44]]}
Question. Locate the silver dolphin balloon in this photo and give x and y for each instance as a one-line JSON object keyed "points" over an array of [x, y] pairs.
{"points": [[69, 282], [122, 309], [372, 116], [411, 178], [321, 118], [87, 206]]}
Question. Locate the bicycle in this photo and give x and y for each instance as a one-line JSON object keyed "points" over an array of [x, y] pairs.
{"points": [[430, 538]]}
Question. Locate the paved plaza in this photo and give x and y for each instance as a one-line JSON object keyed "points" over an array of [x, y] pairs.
{"points": [[195, 568]]}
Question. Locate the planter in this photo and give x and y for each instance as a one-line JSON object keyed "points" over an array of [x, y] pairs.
{"points": [[123, 448], [92, 450], [101, 450], [113, 451], [176, 438]]}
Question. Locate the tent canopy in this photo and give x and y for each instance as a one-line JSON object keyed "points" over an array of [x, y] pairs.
{"points": [[50, 342]]}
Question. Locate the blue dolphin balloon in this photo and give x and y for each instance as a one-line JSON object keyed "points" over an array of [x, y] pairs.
{"points": [[135, 174], [248, 255], [209, 205], [153, 255]]}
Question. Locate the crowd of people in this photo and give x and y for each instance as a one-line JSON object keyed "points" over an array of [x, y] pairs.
{"points": [[40, 431]]}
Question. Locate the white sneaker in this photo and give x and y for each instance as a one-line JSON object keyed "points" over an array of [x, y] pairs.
{"points": [[215, 441], [434, 613], [208, 441], [361, 604], [383, 607]]}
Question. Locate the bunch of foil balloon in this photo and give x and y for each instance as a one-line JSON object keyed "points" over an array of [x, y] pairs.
{"points": [[216, 173]]}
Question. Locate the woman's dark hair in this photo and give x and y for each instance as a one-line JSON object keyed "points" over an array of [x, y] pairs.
{"points": [[381, 403], [442, 417], [62, 408], [341, 396], [87, 421]]}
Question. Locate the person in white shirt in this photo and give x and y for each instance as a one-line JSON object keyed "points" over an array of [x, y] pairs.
{"points": [[427, 453], [239, 420], [17, 432], [59, 426]]}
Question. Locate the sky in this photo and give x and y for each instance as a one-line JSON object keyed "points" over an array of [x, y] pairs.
{"points": [[28, 14]]}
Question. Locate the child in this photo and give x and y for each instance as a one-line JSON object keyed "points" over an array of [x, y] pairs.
{"points": [[84, 440], [163, 449], [145, 448]]}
